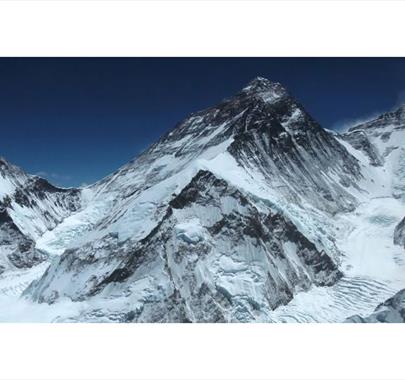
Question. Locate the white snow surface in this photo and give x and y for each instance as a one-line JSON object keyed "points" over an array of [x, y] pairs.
{"points": [[191, 231]]}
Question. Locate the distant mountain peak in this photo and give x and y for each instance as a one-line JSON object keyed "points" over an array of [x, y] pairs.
{"points": [[394, 119], [396, 113], [3, 161], [260, 84], [6, 168], [400, 111]]}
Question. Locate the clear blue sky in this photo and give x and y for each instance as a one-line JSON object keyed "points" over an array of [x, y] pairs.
{"points": [[75, 120]]}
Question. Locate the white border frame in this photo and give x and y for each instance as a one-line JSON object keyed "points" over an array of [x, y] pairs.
{"points": [[202, 28], [219, 28]]}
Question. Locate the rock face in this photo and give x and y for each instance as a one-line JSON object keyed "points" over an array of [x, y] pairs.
{"points": [[236, 213], [391, 311], [399, 233], [15, 247]]}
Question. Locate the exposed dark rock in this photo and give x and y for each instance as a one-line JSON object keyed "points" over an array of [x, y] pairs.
{"points": [[20, 249], [399, 233]]}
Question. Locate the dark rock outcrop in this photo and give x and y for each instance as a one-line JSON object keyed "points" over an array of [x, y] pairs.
{"points": [[399, 233]]}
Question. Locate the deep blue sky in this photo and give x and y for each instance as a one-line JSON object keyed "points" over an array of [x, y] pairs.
{"points": [[75, 120]]}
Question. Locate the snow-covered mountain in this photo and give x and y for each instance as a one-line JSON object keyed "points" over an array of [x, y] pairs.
{"points": [[29, 206], [214, 256], [246, 211]]}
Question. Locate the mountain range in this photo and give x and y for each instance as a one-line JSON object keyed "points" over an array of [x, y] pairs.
{"points": [[248, 211]]}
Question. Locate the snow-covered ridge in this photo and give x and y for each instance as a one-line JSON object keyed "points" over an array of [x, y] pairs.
{"points": [[394, 119]]}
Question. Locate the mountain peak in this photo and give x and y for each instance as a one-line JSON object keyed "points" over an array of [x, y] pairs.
{"points": [[264, 88], [260, 84], [393, 119], [396, 113], [400, 111], [3, 161], [7, 167]]}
